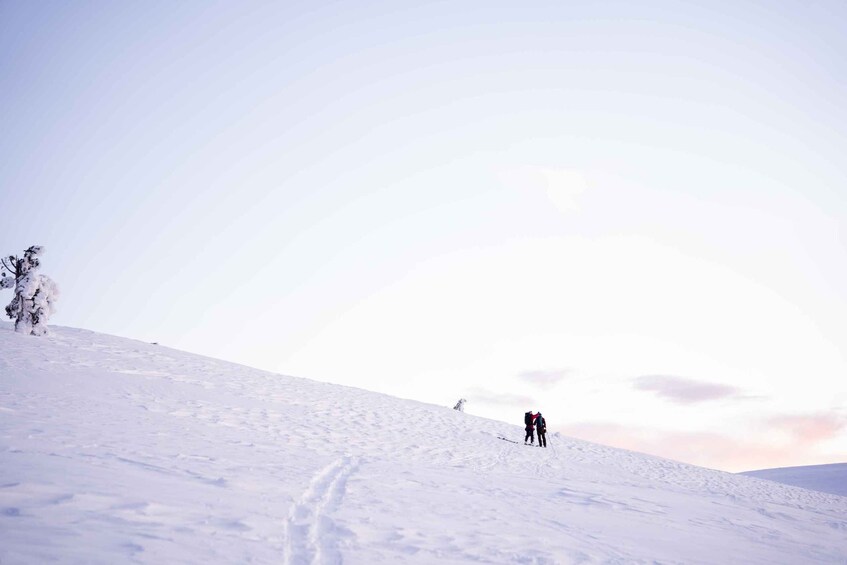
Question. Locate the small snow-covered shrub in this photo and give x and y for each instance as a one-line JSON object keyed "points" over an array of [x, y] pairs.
{"points": [[35, 294]]}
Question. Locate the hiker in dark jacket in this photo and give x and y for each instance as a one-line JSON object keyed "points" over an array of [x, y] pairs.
{"points": [[541, 423], [529, 420]]}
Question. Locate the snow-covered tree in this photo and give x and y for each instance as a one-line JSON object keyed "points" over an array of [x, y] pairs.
{"points": [[460, 405], [35, 294]]}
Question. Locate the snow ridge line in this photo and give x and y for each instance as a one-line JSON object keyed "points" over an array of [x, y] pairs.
{"points": [[310, 531]]}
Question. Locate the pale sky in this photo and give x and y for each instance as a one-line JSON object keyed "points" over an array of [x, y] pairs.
{"points": [[625, 215]]}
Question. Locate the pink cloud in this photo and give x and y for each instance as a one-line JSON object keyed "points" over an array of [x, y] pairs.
{"points": [[705, 449], [810, 427]]}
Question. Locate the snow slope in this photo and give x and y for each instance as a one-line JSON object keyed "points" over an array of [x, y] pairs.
{"points": [[117, 451], [824, 478]]}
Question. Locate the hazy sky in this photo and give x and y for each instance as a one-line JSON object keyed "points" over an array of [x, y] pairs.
{"points": [[626, 215]]}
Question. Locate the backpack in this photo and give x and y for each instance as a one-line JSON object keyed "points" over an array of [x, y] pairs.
{"points": [[527, 418], [542, 425]]}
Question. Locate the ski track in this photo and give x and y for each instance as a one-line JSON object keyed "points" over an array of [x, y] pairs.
{"points": [[312, 534]]}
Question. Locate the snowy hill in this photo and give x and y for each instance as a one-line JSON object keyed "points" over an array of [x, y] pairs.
{"points": [[116, 451], [824, 478]]}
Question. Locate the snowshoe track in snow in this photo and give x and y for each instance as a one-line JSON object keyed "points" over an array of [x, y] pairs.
{"points": [[312, 533]]}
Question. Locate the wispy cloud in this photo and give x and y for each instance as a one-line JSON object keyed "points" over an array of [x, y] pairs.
{"points": [[484, 396], [685, 391], [545, 377]]}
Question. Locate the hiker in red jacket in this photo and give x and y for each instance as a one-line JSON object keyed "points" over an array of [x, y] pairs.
{"points": [[529, 420]]}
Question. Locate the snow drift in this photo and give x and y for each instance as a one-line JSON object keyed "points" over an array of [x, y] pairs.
{"points": [[113, 450]]}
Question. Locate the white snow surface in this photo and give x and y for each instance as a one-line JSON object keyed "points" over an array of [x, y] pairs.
{"points": [[825, 478], [118, 451]]}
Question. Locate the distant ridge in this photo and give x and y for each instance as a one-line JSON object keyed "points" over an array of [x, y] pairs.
{"points": [[830, 478]]}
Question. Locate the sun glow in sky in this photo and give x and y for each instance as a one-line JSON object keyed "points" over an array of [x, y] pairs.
{"points": [[625, 215]]}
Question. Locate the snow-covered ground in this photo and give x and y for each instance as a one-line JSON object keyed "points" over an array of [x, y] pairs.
{"points": [[117, 451], [824, 478]]}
